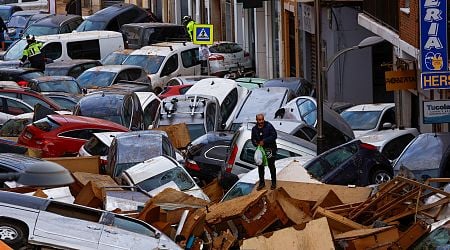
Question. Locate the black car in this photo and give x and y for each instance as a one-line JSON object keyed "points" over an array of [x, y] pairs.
{"points": [[139, 35], [353, 163], [119, 107], [300, 86], [55, 24], [206, 155], [20, 75], [65, 100], [65, 84], [113, 17], [72, 68]]}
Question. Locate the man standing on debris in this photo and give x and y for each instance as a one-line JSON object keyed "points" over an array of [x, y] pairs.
{"points": [[265, 135]]}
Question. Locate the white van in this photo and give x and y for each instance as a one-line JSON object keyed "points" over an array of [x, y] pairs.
{"points": [[78, 45], [162, 61]]}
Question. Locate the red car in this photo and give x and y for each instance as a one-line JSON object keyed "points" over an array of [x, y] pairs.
{"points": [[63, 135], [30, 97], [174, 90]]}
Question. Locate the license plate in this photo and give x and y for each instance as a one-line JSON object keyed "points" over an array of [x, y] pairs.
{"points": [[28, 135]]}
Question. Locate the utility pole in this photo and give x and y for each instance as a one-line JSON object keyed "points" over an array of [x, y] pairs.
{"points": [[319, 87]]}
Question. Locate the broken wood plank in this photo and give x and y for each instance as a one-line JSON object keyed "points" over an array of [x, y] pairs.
{"points": [[373, 238], [214, 191], [292, 238], [224, 241], [90, 196], [410, 236], [337, 222], [327, 200], [194, 223]]}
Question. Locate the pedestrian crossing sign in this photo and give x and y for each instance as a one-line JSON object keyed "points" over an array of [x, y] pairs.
{"points": [[203, 34]]}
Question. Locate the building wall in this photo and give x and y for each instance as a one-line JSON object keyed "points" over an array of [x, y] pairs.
{"points": [[409, 23]]}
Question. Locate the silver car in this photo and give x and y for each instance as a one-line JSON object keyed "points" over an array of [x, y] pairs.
{"points": [[32, 220]]}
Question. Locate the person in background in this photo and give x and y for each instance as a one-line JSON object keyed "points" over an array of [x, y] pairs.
{"points": [[33, 53], [189, 23], [3, 29], [265, 135]]}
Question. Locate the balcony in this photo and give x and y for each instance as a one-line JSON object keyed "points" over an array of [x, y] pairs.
{"points": [[384, 11]]}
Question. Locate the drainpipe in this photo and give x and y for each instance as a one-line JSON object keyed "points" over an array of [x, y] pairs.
{"points": [[197, 12]]}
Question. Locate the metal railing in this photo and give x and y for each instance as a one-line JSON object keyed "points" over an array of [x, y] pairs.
{"points": [[384, 11]]}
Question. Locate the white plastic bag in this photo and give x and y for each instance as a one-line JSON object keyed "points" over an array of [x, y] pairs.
{"points": [[260, 156]]}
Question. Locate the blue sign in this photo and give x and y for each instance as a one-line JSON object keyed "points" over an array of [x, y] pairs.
{"points": [[203, 34], [436, 111], [435, 80], [433, 35]]}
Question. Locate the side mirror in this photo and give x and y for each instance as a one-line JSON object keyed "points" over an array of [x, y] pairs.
{"points": [[387, 125]]}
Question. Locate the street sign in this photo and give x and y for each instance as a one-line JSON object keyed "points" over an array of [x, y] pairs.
{"points": [[433, 42], [436, 111], [398, 80], [203, 34]]}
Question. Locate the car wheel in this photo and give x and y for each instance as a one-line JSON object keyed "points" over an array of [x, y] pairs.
{"points": [[12, 234], [380, 176]]}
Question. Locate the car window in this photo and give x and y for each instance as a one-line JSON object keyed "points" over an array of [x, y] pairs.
{"points": [[238, 190], [306, 133], [176, 175], [89, 49], [189, 58], [65, 29], [173, 82], [74, 25], [183, 90], [113, 25], [135, 74], [10, 94], [171, 65], [340, 155], [46, 124], [72, 211], [167, 148], [17, 108], [248, 152], [228, 105], [217, 153], [96, 147], [127, 111], [52, 50], [131, 225], [31, 100], [123, 76], [307, 110], [150, 112], [210, 117], [388, 116], [83, 134], [75, 71], [225, 48], [395, 147], [64, 102], [14, 127]]}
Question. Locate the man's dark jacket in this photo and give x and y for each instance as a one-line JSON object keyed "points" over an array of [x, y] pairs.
{"points": [[267, 133]]}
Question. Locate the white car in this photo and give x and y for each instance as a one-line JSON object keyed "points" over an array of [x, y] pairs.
{"points": [[10, 107], [150, 106], [369, 117], [287, 169], [98, 145], [390, 142], [226, 57], [162, 61], [229, 94], [156, 174]]}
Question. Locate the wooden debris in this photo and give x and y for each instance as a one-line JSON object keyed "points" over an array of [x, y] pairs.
{"points": [[415, 232], [178, 134], [86, 164], [194, 224], [291, 238], [374, 238], [90, 196], [338, 223], [328, 200], [224, 241], [214, 191]]}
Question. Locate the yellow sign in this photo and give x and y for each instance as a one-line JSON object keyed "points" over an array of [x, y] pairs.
{"points": [[203, 34], [398, 80]]}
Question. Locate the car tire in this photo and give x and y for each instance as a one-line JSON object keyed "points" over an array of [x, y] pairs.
{"points": [[13, 234], [380, 175]]}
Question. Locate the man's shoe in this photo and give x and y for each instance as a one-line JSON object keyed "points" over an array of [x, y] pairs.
{"points": [[260, 187], [273, 186]]}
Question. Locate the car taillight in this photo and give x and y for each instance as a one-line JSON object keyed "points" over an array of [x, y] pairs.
{"points": [[216, 58], [232, 159], [22, 84], [192, 165], [246, 54], [103, 162], [368, 146]]}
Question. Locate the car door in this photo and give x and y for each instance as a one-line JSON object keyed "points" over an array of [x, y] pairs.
{"points": [[387, 117], [14, 107], [342, 168], [190, 62], [170, 69], [69, 226], [126, 233]]}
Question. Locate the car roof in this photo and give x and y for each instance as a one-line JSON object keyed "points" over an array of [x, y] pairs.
{"points": [[54, 78], [151, 167], [70, 63], [17, 70], [27, 12], [94, 34], [163, 48], [113, 68], [107, 137], [8, 7], [55, 20], [293, 83], [217, 87], [152, 24], [111, 11], [80, 120], [380, 138], [17, 161], [371, 107], [23, 200]]}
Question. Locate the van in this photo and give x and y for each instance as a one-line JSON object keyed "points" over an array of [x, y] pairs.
{"points": [[162, 61], [139, 35], [62, 47], [240, 159]]}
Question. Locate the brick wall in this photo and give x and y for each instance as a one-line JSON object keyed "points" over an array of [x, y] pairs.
{"points": [[409, 23]]}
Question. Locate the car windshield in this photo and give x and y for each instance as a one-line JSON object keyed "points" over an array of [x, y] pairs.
{"points": [[18, 21], [15, 51], [37, 30], [87, 25], [66, 86], [177, 175], [96, 79], [14, 127], [150, 63], [361, 120], [425, 152], [115, 58], [196, 130], [238, 190], [5, 14], [96, 147]]}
